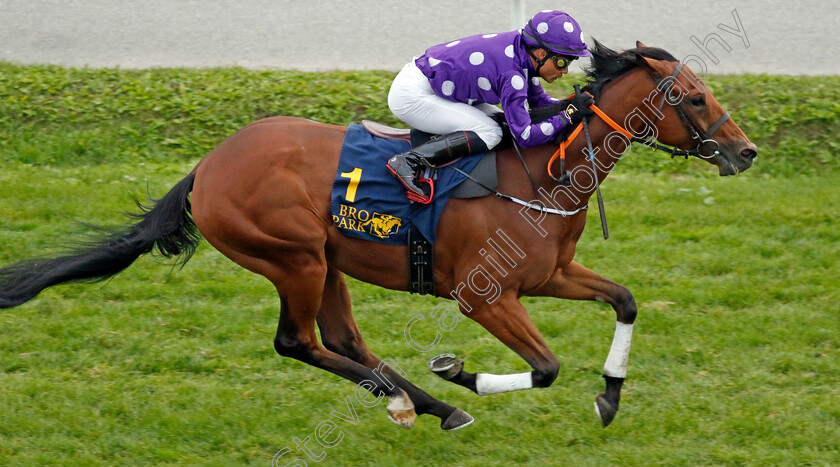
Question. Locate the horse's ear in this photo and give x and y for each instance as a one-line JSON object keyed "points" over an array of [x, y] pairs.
{"points": [[639, 45], [653, 65], [645, 62]]}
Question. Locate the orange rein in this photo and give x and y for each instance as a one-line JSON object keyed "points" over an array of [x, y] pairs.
{"points": [[561, 151]]}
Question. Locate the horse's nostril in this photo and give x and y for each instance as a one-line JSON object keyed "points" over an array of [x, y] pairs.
{"points": [[749, 153]]}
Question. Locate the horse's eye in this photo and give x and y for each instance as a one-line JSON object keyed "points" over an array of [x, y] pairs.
{"points": [[698, 101]]}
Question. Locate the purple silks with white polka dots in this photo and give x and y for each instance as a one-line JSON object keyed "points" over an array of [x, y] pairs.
{"points": [[493, 69]]}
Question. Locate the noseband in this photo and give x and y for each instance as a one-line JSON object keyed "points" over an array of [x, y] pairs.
{"points": [[702, 138]]}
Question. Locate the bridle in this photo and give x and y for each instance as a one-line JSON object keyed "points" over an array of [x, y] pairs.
{"points": [[698, 135], [702, 138]]}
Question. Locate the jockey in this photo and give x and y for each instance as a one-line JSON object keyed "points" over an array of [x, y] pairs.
{"points": [[452, 90]]}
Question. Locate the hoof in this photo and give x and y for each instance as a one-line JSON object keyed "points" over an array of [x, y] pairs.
{"points": [[459, 419], [401, 411], [605, 410], [447, 366], [403, 418]]}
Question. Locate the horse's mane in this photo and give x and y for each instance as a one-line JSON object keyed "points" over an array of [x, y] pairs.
{"points": [[605, 65]]}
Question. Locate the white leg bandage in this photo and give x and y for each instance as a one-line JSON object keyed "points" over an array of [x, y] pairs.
{"points": [[616, 365], [493, 384]]}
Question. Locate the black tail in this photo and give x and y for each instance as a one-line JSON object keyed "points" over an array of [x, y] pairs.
{"points": [[166, 227]]}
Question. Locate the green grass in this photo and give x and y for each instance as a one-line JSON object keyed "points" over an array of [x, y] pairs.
{"points": [[63, 116], [736, 351], [734, 360]]}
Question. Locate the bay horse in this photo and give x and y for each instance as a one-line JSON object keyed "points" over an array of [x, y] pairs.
{"points": [[262, 199]]}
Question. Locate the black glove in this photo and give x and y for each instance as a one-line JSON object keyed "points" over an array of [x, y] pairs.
{"points": [[579, 107]]}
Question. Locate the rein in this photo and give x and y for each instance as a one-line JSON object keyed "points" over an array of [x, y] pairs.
{"points": [[561, 151]]}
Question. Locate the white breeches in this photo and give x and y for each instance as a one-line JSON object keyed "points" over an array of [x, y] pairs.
{"points": [[413, 101]]}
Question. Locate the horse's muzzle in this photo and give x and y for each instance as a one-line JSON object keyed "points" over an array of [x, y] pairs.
{"points": [[734, 160]]}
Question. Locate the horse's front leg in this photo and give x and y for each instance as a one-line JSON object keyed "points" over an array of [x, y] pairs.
{"points": [[576, 282]]}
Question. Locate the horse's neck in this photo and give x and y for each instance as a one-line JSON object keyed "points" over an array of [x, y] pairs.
{"points": [[623, 97]]}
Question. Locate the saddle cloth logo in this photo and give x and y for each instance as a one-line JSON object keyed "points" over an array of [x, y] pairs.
{"points": [[360, 220]]}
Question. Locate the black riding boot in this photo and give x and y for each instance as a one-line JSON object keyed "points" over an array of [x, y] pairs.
{"points": [[436, 152]]}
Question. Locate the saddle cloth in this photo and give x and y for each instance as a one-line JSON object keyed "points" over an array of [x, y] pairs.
{"points": [[367, 202]]}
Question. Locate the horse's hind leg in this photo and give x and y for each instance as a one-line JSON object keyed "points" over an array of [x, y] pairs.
{"points": [[296, 339], [576, 282], [509, 322], [340, 334], [299, 274]]}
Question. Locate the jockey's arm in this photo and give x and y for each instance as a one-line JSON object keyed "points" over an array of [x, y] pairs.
{"points": [[514, 96], [537, 97]]}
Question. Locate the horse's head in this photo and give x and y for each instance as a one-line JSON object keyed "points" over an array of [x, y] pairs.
{"points": [[691, 118]]}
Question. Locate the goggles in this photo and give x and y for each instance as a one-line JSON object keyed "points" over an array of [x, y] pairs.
{"points": [[562, 62]]}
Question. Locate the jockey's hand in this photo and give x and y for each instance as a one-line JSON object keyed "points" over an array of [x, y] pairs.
{"points": [[582, 102], [579, 107]]}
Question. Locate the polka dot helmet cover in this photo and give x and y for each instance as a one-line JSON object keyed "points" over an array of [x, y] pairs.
{"points": [[556, 31]]}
